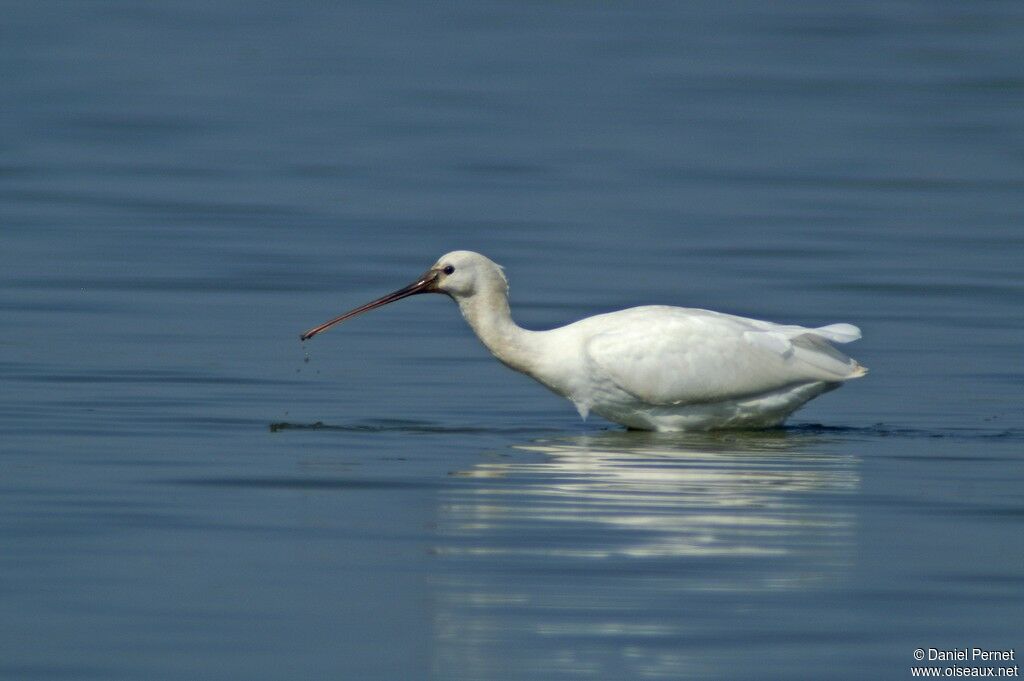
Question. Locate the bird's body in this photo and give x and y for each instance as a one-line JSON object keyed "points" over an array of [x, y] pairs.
{"points": [[652, 367]]}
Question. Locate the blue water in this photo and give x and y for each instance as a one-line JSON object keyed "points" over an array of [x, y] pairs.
{"points": [[186, 491]]}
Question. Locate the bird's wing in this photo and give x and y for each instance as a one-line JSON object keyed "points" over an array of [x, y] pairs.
{"points": [[665, 355]]}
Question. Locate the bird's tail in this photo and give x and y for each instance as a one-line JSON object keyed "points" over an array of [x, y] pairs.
{"points": [[837, 333]]}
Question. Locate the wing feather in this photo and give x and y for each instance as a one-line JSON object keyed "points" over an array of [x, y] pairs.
{"points": [[668, 355]]}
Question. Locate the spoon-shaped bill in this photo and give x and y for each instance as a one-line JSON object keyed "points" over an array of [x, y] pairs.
{"points": [[425, 284]]}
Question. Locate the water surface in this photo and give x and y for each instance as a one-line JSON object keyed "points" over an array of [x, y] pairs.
{"points": [[188, 492]]}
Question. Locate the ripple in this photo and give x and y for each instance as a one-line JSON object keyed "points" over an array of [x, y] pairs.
{"points": [[401, 426], [886, 431], [297, 483], [37, 373]]}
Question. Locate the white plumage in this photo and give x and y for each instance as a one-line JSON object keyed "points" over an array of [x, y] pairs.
{"points": [[651, 368]]}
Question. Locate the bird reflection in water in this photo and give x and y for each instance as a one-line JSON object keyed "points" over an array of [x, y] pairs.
{"points": [[625, 544]]}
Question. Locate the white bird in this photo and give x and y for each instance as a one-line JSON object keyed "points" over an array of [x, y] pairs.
{"points": [[648, 368]]}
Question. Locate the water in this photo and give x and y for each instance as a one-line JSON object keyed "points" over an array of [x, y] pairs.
{"points": [[187, 492]]}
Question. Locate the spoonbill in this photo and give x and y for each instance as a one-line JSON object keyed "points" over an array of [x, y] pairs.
{"points": [[648, 368]]}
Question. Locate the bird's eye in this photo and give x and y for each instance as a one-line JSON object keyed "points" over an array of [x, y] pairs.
{"points": [[448, 269]]}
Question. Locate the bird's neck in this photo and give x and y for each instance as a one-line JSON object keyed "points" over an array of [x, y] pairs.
{"points": [[488, 314]]}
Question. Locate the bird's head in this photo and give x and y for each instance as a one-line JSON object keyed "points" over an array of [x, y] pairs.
{"points": [[459, 274], [462, 274]]}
